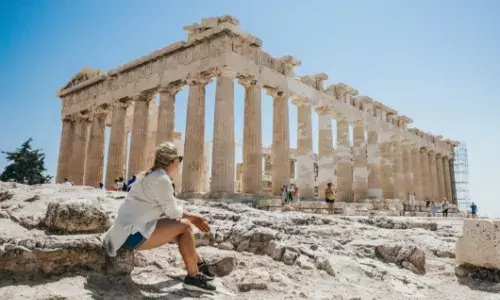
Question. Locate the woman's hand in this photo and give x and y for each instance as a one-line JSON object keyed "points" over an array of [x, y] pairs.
{"points": [[198, 221]]}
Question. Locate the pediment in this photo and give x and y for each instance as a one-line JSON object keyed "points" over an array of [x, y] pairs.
{"points": [[82, 76]]}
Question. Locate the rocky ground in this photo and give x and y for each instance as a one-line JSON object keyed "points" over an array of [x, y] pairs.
{"points": [[50, 249]]}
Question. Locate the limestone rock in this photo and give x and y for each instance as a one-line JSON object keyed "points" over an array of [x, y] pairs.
{"points": [[275, 250], [226, 246], [254, 280], [62, 255], [75, 216], [414, 258], [324, 263], [224, 266], [290, 256], [288, 208], [204, 238], [479, 244]]}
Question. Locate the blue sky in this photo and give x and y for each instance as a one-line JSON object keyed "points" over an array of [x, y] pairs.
{"points": [[434, 61]]}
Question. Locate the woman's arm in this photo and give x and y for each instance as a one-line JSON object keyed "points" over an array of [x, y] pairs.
{"points": [[197, 221]]}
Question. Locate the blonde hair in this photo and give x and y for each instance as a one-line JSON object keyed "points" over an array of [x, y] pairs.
{"points": [[165, 154]]}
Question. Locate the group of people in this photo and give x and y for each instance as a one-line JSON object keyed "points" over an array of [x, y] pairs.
{"points": [[290, 194], [432, 205], [120, 184]]}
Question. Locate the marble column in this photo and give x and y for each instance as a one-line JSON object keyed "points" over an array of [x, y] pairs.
{"points": [[194, 144], [95, 156], [433, 176], [408, 170], [440, 177], [426, 175], [139, 135], [417, 173], [343, 159], [386, 163], [77, 170], [223, 168], [65, 149], [281, 142], [447, 179], [117, 143], [374, 169], [360, 161], [166, 113], [399, 176], [252, 138], [453, 183], [326, 168], [305, 156]]}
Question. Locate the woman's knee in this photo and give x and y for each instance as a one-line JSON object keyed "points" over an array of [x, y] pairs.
{"points": [[187, 224]]}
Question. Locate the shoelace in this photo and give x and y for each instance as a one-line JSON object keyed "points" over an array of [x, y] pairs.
{"points": [[203, 278]]}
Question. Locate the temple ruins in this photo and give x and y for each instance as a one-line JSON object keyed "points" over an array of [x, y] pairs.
{"points": [[387, 160]]}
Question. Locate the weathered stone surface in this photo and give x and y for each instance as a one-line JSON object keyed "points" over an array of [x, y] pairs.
{"points": [[75, 216], [204, 238], [406, 256], [61, 255], [290, 256], [254, 280], [479, 244]]}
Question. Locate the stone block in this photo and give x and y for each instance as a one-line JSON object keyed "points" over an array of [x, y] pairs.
{"points": [[76, 216], [479, 244]]}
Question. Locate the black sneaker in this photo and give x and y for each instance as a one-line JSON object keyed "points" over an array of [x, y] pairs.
{"points": [[205, 270], [198, 283]]}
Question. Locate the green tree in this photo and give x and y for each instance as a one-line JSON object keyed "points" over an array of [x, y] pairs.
{"points": [[26, 165]]}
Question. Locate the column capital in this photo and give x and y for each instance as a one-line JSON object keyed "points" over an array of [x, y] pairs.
{"points": [[171, 88], [199, 79], [99, 112], [274, 92], [226, 72], [322, 110], [300, 101], [144, 96], [431, 152], [247, 81], [81, 117], [123, 103]]}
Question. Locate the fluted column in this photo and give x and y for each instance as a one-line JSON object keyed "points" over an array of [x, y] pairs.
{"points": [[304, 168], [426, 174], [343, 159], [194, 144], [399, 176], [95, 156], [408, 170], [252, 138], [374, 168], [79, 149], [440, 178], [417, 173], [281, 142], [65, 149], [223, 169], [117, 143], [453, 183], [447, 178], [433, 175], [360, 170], [386, 164], [326, 168], [139, 135], [166, 113]]}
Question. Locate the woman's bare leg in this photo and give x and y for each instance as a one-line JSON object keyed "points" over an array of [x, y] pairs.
{"points": [[180, 231]]}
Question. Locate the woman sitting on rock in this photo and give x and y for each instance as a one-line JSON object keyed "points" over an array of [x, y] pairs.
{"points": [[139, 224]]}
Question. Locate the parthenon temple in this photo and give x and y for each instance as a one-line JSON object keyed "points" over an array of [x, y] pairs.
{"points": [[386, 158]]}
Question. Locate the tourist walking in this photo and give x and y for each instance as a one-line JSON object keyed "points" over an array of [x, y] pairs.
{"points": [[473, 208], [330, 197], [433, 208], [445, 208], [284, 195], [139, 225], [130, 181]]}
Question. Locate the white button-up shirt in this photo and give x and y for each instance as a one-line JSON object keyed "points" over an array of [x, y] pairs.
{"points": [[149, 198]]}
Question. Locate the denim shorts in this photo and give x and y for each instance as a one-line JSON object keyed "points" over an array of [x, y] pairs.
{"points": [[133, 241]]}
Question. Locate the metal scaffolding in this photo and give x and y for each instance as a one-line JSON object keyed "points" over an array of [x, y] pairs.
{"points": [[460, 178]]}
